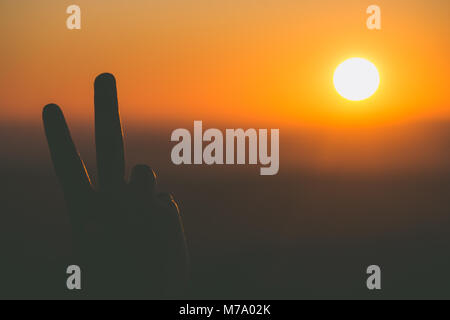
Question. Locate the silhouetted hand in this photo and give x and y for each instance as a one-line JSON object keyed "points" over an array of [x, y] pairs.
{"points": [[130, 240]]}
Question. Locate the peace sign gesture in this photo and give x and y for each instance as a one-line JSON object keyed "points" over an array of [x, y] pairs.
{"points": [[130, 239]]}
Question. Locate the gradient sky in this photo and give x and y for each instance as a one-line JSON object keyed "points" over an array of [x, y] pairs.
{"points": [[250, 63], [270, 60]]}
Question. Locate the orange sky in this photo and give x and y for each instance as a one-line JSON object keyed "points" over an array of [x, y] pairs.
{"points": [[250, 63], [269, 60]]}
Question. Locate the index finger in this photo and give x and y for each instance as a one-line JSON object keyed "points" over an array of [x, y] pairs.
{"points": [[68, 166]]}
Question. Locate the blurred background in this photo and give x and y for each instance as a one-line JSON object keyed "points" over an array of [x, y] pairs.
{"points": [[360, 183]]}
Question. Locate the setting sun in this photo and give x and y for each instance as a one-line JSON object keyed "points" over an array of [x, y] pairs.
{"points": [[356, 79]]}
